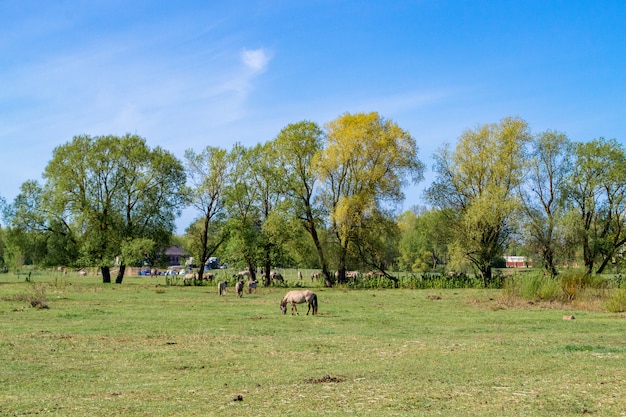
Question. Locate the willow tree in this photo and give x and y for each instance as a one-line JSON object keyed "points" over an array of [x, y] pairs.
{"points": [[542, 198], [241, 202], [596, 189], [265, 178], [366, 163], [477, 182], [209, 176], [114, 192], [296, 146]]}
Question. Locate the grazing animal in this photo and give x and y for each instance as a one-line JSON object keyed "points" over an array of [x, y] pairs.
{"points": [[252, 286], [349, 275], [314, 276], [239, 288], [372, 274], [208, 276], [188, 277], [221, 288], [276, 276], [154, 272], [242, 274], [300, 275], [298, 297]]}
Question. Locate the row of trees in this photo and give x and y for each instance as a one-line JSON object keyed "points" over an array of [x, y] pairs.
{"points": [[113, 200], [504, 189], [328, 198]]}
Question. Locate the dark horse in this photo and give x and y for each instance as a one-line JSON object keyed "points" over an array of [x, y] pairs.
{"points": [[299, 297]]}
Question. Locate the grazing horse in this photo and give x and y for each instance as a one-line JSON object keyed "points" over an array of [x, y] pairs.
{"points": [[239, 288], [252, 286], [299, 297], [221, 288], [276, 276], [314, 276], [242, 274]]}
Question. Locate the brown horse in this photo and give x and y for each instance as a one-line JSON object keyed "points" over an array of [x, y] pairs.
{"points": [[299, 297]]}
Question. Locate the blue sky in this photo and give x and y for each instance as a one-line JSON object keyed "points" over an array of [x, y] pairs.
{"points": [[186, 74]]}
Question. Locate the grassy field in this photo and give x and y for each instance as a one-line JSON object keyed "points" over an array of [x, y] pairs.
{"points": [[143, 348]]}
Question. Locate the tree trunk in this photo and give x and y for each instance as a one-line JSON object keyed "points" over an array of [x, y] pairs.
{"points": [[310, 227], [587, 256], [341, 267], [548, 259], [268, 270], [486, 273], [106, 274], [120, 274]]}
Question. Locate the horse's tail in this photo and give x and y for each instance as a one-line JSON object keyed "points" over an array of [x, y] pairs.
{"points": [[314, 303]]}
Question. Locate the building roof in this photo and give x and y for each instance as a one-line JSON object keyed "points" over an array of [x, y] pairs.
{"points": [[175, 251]]}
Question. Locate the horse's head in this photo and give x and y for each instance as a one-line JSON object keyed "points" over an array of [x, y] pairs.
{"points": [[283, 307]]}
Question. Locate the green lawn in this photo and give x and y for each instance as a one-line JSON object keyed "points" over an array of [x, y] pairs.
{"points": [[142, 348]]}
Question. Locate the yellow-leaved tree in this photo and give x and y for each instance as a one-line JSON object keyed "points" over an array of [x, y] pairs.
{"points": [[367, 161], [477, 181]]}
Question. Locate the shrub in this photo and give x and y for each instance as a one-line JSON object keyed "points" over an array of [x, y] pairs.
{"points": [[510, 290], [574, 281], [617, 301], [36, 298], [536, 286]]}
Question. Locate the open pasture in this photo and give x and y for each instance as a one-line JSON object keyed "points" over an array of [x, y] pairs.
{"points": [[142, 348]]}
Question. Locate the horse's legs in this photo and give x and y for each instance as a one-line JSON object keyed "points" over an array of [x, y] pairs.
{"points": [[294, 308]]}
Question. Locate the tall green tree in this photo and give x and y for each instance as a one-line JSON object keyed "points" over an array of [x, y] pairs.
{"points": [[424, 239], [477, 182], [41, 234], [269, 185], [111, 190], [209, 174], [596, 188], [241, 200], [296, 146], [364, 166], [541, 193]]}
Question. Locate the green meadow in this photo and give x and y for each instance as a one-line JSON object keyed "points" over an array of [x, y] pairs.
{"points": [[72, 346]]}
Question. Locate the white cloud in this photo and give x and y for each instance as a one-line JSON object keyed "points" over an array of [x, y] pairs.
{"points": [[255, 59]]}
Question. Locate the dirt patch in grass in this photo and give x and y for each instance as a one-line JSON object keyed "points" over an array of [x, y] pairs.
{"points": [[324, 379]]}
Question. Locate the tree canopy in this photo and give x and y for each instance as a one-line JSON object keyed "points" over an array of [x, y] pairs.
{"points": [[328, 197], [478, 180], [106, 192]]}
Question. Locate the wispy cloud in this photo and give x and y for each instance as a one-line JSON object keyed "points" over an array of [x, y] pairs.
{"points": [[255, 59]]}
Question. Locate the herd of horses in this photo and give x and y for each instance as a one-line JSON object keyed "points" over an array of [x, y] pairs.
{"points": [[292, 297]]}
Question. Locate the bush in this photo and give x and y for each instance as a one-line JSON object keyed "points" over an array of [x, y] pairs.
{"points": [[536, 286], [617, 301], [574, 281]]}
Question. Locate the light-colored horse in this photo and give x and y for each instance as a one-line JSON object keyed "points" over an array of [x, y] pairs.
{"points": [[298, 297], [276, 276], [242, 274], [221, 288], [252, 286], [239, 288]]}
